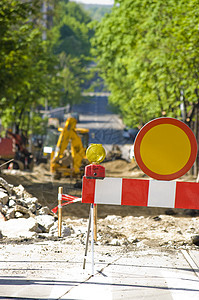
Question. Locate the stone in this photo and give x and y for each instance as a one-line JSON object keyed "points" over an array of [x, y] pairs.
{"points": [[6, 186], [4, 198], [132, 239], [16, 228], [157, 218], [18, 215], [44, 210], [2, 217], [23, 210], [46, 221], [11, 203], [3, 208], [66, 231], [19, 190], [21, 202], [10, 213], [54, 229], [115, 242], [195, 240], [31, 200], [32, 208]]}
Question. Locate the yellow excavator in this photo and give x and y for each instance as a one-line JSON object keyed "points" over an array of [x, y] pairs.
{"points": [[69, 157]]}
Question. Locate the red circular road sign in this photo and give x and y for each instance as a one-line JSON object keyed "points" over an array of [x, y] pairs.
{"points": [[165, 148]]}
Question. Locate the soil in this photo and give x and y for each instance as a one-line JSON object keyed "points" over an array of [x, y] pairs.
{"points": [[116, 225]]}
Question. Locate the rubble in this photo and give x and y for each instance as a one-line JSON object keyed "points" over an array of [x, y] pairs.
{"points": [[21, 215], [16, 228], [3, 197], [120, 227], [46, 221], [195, 240]]}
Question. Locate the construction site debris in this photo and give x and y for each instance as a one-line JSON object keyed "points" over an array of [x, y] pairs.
{"points": [[4, 185], [24, 215], [121, 226], [195, 240]]}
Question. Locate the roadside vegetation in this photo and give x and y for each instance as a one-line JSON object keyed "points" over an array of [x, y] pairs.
{"points": [[147, 52], [44, 55]]}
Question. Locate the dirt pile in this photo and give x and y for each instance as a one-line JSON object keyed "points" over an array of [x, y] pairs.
{"points": [[122, 168]]}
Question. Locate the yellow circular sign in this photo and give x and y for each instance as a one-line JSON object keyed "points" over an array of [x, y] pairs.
{"points": [[165, 148], [95, 153]]}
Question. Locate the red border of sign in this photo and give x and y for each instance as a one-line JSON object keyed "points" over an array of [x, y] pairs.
{"points": [[154, 123]]}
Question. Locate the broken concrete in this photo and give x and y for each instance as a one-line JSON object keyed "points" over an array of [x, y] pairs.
{"points": [[24, 215], [16, 228], [3, 198], [45, 220]]}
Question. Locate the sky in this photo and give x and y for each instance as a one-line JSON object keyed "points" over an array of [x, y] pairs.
{"points": [[102, 2]]}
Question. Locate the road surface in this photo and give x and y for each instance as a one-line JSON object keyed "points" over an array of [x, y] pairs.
{"points": [[54, 271], [105, 127]]}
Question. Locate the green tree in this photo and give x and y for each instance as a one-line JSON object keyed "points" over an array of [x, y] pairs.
{"points": [[70, 38], [148, 54], [27, 67]]}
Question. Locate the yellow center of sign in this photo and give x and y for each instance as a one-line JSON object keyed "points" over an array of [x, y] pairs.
{"points": [[165, 149]]}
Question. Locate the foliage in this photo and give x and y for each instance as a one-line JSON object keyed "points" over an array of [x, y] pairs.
{"points": [[70, 38], [27, 67], [34, 70], [148, 53]]}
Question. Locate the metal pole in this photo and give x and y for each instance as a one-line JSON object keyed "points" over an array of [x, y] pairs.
{"points": [[87, 239], [60, 192], [95, 222], [92, 238]]}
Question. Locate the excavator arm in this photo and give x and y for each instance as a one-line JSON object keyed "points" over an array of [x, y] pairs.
{"points": [[64, 161]]}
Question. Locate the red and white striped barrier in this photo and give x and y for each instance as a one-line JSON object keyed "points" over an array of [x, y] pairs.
{"points": [[139, 192], [68, 200]]}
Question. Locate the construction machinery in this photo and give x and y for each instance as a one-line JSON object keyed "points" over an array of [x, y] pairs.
{"points": [[13, 147], [69, 157]]}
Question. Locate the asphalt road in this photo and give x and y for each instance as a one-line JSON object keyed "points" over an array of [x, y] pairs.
{"points": [[105, 127], [33, 272]]}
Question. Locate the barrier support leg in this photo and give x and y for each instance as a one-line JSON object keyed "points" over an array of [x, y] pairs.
{"points": [[92, 238], [95, 222], [87, 239], [60, 192]]}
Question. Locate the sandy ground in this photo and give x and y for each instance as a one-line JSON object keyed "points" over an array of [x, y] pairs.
{"points": [[117, 225]]}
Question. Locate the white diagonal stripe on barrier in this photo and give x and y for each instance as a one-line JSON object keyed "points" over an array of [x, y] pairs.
{"points": [[108, 191], [161, 193]]}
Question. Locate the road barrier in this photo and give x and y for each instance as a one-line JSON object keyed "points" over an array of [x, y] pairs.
{"points": [[136, 192], [141, 192], [165, 149]]}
